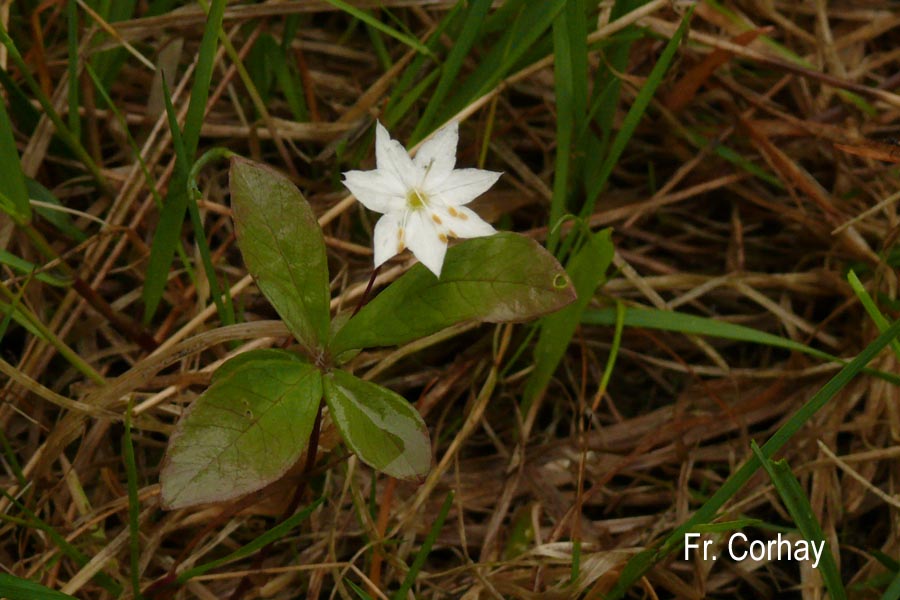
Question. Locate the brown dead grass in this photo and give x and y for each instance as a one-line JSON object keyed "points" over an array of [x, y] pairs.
{"points": [[707, 238]]}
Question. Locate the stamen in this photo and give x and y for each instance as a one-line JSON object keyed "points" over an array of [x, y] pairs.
{"points": [[435, 218], [442, 237], [416, 199], [453, 212]]}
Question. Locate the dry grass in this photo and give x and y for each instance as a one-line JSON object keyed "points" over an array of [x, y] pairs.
{"points": [[693, 232]]}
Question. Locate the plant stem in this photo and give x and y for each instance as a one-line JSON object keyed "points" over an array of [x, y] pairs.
{"points": [[384, 513], [365, 296]]}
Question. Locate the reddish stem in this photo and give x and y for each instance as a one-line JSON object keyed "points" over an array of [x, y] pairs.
{"points": [[365, 296]]}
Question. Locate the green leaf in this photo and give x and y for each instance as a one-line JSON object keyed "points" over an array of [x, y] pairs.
{"points": [[16, 588], [261, 354], [801, 511], [500, 278], [243, 433], [284, 249], [587, 269], [378, 425]]}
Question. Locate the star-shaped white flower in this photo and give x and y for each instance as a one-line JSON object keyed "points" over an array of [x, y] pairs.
{"points": [[421, 198]]}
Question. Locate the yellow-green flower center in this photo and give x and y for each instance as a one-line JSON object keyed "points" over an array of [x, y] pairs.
{"points": [[415, 199]]}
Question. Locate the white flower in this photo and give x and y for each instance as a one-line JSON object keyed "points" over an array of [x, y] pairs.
{"points": [[422, 198]]}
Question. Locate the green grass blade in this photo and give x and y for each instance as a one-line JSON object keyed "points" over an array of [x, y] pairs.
{"points": [[11, 313], [291, 86], [587, 269], [134, 507], [16, 588], [148, 177], [423, 552], [368, 19], [652, 318], [222, 301], [58, 218], [381, 51], [202, 77], [25, 267], [530, 24], [276, 533], [5, 446], [565, 123], [45, 333], [471, 27], [20, 107], [260, 65], [638, 565], [635, 114], [72, 38], [108, 64], [62, 130], [798, 506], [13, 191], [358, 590], [727, 526], [225, 309], [700, 142], [871, 308], [33, 521], [893, 590], [570, 76], [408, 90], [691, 324], [613, 350], [786, 53], [406, 100], [168, 232]]}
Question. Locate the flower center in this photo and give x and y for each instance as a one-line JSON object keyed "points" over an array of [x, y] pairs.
{"points": [[416, 199]]}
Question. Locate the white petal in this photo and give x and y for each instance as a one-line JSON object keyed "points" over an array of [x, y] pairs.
{"points": [[378, 190], [463, 185], [461, 222], [391, 156], [423, 237], [388, 237], [437, 156]]}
